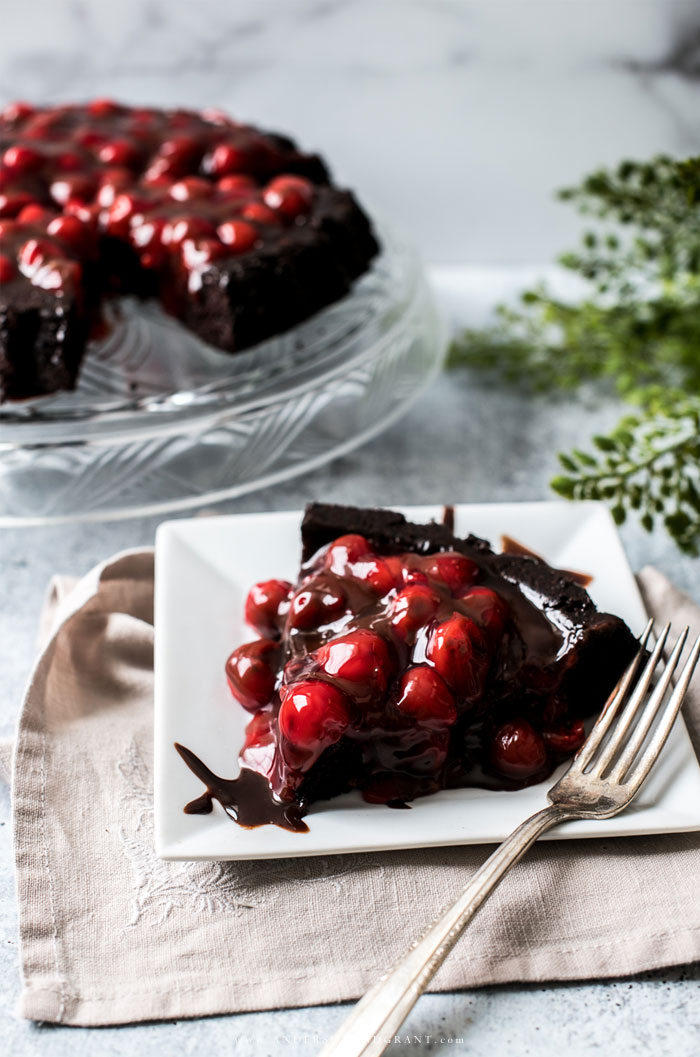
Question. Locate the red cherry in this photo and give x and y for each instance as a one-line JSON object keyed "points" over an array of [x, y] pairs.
{"points": [[7, 269], [7, 227], [316, 604], [424, 696], [113, 181], [104, 107], [196, 252], [261, 214], [58, 275], [181, 228], [68, 161], [344, 550], [413, 608], [35, 214], [146, 238], [238, 235], [117, 220], [180, 147], [17, 111], [517, 750], [266, 606], [565, 739], [13, 202], [376, 573], [73, 186], [21, 160], [88, 137], [458, 650], [313, 715], [191, 187], [71, 230], [452, 569], [289, 195], [118, 152], [487, 608], [227, 158], [238, 183], [251, 672], [361, 660], [89, 214], [34, 253]]}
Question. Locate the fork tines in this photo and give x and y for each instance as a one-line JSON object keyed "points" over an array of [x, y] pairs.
{"points": [[632, 705]]}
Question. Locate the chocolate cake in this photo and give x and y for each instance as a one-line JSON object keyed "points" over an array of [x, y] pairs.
{"points": [[236, 231], [407, 660]]}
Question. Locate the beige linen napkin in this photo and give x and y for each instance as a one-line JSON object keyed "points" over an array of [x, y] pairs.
{"points": [[109, 934]]}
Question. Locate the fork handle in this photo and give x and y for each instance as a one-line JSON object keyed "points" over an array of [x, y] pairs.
{"points": [[377, 1017]]}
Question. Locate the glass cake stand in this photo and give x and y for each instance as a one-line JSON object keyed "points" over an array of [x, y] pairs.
{"points": [[160, 421]]}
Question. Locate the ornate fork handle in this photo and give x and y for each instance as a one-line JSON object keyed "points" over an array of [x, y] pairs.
{"points": [[379, 1015]]}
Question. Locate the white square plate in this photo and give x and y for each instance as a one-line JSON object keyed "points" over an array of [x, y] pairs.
{"points": [[204, 568]]}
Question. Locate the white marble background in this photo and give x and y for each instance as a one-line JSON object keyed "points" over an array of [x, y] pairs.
{"points": [[454, 118]]}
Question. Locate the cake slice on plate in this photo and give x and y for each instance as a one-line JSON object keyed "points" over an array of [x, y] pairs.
{"points": [[406, 660]]}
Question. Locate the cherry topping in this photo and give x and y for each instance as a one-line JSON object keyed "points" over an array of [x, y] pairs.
{"points": [[88, 137], [35, 252], [487, 608], [112, 182], [104, 107], [58, 275], [458, 650], [452, 569], [181, 228], [424, 696], [227, 158], [17, 111], [565, 739], [251, 671], [146, 237], [74, 185], [344, 550], [266, 606], [240, 236], [13, 202], [35, 214], [313, 715], [191, 187], [118, 152], [7, 269], [362, 660], [517, 750], [71, 230], [21, 160], [199, 252], [260, 213], [316, 604], [68, 161], [289, 195], [238, 183], [413, 608], [126, 205]]}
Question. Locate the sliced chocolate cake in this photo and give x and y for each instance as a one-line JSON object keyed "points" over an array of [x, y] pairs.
{"points": [[406, 660], [236, 231]]}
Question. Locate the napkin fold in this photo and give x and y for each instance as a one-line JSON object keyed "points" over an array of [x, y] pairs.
{"points": [[110, 934]]}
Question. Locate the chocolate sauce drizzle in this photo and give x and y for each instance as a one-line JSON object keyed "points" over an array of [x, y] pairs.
{"points": [[448, 517], [247, 799], [511, 546]]}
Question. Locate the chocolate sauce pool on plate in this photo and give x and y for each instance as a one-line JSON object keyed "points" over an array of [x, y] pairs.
{"points": [[247, 799]]}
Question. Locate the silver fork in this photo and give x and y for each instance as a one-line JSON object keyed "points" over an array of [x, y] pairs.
{"points": [[604, 777]]}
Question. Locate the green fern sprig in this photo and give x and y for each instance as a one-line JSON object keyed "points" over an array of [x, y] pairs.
{"points": [[637, 333]]}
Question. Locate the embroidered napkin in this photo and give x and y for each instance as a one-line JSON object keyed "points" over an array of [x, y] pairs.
{"points": [[110, 934]]}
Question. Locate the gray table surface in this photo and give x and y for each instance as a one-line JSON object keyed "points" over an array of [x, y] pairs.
{"points": [[464, 441]]}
